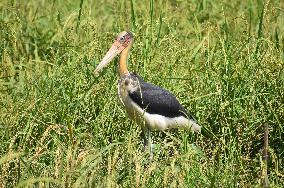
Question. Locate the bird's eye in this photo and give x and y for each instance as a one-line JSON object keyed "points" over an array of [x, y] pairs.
{"points": [[122, 39]]}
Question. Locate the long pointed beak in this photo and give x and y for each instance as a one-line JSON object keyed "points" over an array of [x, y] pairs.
{"points": [[115, 49]]}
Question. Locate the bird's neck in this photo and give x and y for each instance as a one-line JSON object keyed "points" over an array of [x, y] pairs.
{"points": [[123, 60]]}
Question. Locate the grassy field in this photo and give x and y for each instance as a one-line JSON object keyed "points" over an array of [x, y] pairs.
{"points": [[61, 126]]}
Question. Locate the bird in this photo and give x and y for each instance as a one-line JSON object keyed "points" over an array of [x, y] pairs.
{"points": [[151, 106]]}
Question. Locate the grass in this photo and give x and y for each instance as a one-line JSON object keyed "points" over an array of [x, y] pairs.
{"points": [[60, 126]]}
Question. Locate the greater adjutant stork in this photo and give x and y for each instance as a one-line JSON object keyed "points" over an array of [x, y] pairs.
{"points": [[149, 105]]}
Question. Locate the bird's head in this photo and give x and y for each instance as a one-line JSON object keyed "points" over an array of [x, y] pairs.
{"points": [[122, 42]]}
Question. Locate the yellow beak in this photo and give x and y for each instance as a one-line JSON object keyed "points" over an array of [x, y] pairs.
{"points": [[115, 49]]}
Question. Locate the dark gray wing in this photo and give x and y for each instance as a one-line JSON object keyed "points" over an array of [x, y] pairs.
{"points": [[156, 100]]}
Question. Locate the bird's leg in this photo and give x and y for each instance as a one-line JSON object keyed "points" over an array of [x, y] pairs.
{"points": [[150, 144], [144, 131]]}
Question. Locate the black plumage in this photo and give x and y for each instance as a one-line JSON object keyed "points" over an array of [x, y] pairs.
{"points": [[156, 100]]}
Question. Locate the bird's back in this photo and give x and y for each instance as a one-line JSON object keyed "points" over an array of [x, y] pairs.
{"points": [[156, 100]]}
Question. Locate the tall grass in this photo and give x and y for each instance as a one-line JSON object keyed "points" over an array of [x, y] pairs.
{"points": [[60, 126]]}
